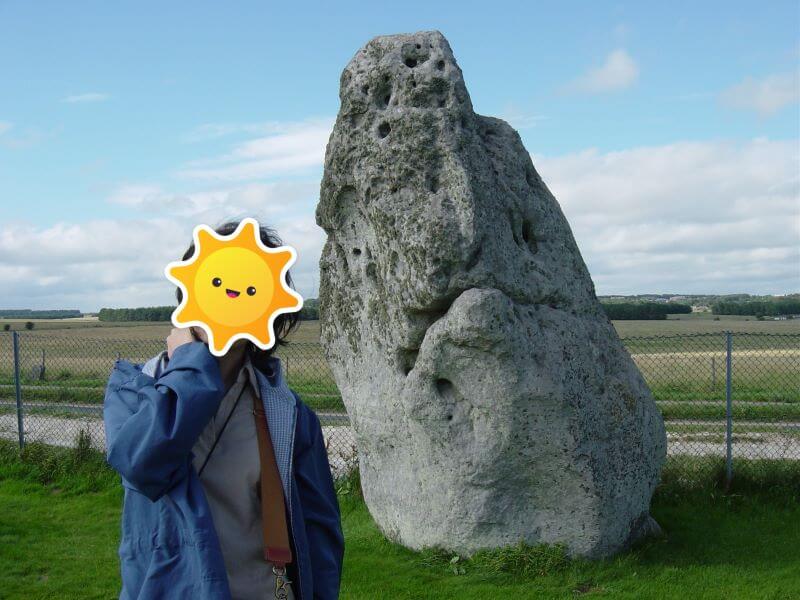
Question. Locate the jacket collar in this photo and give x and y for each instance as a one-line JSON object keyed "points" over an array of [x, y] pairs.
{"points": [[279, 405], [268, 372]]}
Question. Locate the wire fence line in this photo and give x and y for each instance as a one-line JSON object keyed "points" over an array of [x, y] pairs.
{"points": [[725, 396]]}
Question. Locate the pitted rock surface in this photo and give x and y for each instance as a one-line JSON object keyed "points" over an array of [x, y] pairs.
{"points": [[491, 397]]}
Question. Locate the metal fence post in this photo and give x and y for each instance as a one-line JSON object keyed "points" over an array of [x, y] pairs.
{"points": [[18, 389], [728, 410]]}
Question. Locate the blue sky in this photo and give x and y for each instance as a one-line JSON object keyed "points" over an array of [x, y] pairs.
{"points": [[122, 125]]}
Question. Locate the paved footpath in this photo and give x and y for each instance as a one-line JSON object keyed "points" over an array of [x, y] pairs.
{"points": [[342, 454], [63, 431]]}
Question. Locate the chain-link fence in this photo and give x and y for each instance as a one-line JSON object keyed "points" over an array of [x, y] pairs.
{"points": [[52, 387], [725, 397], [732, 397]]}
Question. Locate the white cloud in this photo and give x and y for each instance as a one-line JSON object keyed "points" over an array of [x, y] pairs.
{"points": [[518, 118], [618, 72], [288, 149], [684, 217], [120, 263], [212, 131], [279, 199], [766, 96], [88, 97], [691, 216], [4, 126], [90, 263]]}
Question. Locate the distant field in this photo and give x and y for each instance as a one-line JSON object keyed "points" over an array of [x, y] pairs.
{"points": [[703, 323], [79, 356], [308, 331]]}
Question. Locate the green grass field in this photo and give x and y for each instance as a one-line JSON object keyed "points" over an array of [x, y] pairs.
{"points": [[59, 531]]}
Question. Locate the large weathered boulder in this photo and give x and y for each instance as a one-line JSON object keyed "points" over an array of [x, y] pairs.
{"points": [[491, 397]]}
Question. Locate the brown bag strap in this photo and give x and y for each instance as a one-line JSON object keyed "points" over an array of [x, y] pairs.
{"points": [[273, 507]]}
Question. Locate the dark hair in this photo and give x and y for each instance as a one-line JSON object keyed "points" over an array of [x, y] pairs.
{"points": [[284, 323]]}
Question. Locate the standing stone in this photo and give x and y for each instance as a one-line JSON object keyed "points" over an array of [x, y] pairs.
{"points": [[491, 397]]}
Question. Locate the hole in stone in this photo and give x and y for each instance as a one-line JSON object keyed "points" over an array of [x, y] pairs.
{"points": [[384, 129], [382, 94], [528, 237], [364, 89], [449, 417], [407, 357], [433, 184], [413, 83], [372, 271], [357, 251], [413, 55], [444, 387], [440, 65], [442, 102]]}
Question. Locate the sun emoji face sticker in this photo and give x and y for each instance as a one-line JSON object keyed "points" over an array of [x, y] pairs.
{"points": [[234, 287]]}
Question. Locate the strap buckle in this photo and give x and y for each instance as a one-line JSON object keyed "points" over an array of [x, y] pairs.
{"points": [[281, 583]]}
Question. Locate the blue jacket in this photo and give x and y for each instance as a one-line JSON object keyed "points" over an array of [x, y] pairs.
{"points": [[153, 415]]}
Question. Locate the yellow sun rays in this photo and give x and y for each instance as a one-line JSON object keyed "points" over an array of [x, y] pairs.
{"points": [[234, 287]]}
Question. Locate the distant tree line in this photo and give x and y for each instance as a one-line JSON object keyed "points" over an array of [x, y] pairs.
{"points": [[309, 312], [26, 313], [643, 311], [759, 308]]}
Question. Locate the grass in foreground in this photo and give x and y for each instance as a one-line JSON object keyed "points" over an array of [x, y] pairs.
{"points": [[59, 530]]}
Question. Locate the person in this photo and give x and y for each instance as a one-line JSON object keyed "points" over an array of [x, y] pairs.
{"points": [[180, 431]]}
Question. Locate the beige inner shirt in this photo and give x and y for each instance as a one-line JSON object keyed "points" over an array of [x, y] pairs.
{"points": [[231, 483]]}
